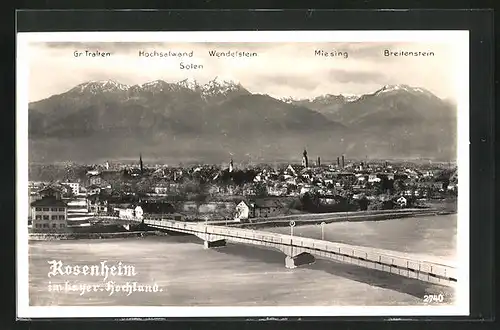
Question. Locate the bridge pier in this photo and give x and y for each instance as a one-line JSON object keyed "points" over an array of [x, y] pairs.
{"points": [[214, 244], [303, 258]]}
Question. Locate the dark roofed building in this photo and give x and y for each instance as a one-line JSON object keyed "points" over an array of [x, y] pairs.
{"points": [[263, 208], [156, 208], [294, 169], [51, 191], [49, 201]]}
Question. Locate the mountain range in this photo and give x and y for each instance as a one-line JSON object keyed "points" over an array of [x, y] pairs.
{"points": [[187, 121]]}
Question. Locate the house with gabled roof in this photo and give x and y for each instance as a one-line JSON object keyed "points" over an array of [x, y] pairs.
{"points": [[49, 214], [242, 211], [263, 208]]}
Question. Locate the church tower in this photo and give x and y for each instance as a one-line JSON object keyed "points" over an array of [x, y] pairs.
{"points": [[231, 166], [140, 163], [305, 161]]}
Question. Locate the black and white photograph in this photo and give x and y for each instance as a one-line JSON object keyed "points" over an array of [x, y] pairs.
{"points": [[299, 173]]}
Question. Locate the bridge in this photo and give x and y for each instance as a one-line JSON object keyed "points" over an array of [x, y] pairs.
{"points": [[301, 251]]}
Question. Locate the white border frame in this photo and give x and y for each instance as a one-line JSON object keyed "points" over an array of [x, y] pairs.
{"points": [[459, 39]]}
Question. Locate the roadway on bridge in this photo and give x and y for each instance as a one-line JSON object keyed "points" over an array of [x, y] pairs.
{"points": [[426, 268]]}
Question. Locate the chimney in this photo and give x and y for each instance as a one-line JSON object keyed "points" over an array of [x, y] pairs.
{"points": [[343, 161], [319, 161]]}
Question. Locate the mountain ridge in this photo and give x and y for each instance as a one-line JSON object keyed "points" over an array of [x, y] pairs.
{"points": [[395, 120]]}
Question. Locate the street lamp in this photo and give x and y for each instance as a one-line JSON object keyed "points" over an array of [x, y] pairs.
{"points": [[292, 224], [323, 230], [206, 229]]}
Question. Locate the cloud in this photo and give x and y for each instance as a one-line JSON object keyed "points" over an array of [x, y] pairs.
{"points": [[279, 69], [345, 76], [273, 82]]}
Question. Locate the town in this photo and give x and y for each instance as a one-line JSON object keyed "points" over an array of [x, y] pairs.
{"points": [[83, 195]]}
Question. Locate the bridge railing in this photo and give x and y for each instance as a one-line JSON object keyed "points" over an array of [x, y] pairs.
{"points": [[385, 257]]}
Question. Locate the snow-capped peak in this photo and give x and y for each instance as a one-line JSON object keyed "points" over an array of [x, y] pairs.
{"points": [[101, 86], [157, 82], [156, 86], [350, 97], [288, 100], [220, 86], [189, 83], [325, 99], [212, 88], [406, 88]]}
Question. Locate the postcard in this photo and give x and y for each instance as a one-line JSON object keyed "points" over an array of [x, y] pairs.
{"points": [[248, 174]]}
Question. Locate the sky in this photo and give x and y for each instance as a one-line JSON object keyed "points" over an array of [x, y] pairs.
{"points": [[279, 69]]}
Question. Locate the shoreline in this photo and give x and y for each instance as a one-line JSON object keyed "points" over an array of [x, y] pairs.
{"points": [[353, 217], [358, 216], [75, 236]]}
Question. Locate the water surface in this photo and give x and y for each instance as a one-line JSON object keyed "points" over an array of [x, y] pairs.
{"points": [[241, 275]]}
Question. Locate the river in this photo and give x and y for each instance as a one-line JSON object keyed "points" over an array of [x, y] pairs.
{"points": [[185, 274]]}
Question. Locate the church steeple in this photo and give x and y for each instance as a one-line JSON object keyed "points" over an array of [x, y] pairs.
{"points": [[231, 165], [305, 161], [140, 163]]}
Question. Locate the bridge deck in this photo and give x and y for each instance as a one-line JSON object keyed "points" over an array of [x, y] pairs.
{"points": [[410, 265]]}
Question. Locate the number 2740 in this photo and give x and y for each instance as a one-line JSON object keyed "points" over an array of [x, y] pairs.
{"points": [[433, 298]]}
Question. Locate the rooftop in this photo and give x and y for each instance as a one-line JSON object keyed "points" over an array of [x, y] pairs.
{"points": [[157, 207], [49, 201]]}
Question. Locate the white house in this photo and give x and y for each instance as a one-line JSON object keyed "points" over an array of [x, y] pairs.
{"points": [[93, 190], [75, 187], [304, 189], [360, 177], [49, 214], [125, 213], [276, 190], [242, 211], [402, 201], [373, 178], [139, 212]]}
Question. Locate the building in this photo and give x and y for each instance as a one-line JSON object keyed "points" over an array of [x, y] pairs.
{"points": [[266, 208], [153, 209], [96, 204], [305, 161], [75, 187], [95, 180], [242, 211], [50, 192], [49, 214], [125, 211], [277, 190], [165, 187], [93, 190], [402, 201], [33, 196], [293, 171]]}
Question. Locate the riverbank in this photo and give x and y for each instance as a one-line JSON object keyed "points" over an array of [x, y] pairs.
{"points": [[74, 236], [284, 221], [311, 219]]}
